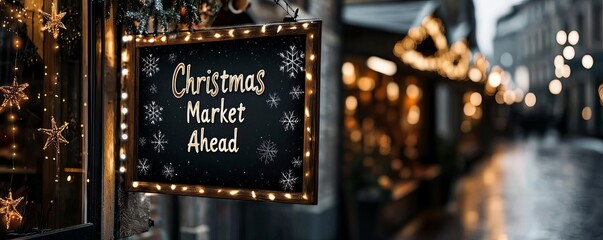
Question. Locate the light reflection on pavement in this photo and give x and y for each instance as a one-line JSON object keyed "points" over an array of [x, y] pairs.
{"points": [[533, 189]]}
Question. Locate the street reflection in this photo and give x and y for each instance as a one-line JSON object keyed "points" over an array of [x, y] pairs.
{"points": [[480, 203], [539, 188]]}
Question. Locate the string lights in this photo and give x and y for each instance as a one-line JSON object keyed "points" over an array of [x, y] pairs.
{"points": [[55, 135], [8, 206], [53, 21], [454, 61], [13, 17], [129, 43], [13, 95], [449, 61]]}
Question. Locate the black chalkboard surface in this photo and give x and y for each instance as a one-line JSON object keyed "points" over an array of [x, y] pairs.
{"points": [[229, 115]]}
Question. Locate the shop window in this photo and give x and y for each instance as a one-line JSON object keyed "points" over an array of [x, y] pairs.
{"points": [[43, 147]]}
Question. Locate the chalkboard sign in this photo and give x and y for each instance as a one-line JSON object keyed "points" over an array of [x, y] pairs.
{"points": [[227, 113]]}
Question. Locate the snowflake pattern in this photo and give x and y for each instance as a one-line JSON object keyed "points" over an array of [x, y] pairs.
{"points": [[288, 180], [150, 65], [292, 61], [152, 113], [159, 141], [153, 89], [172, 57], [288, 120], [142, 141], [143, 166], [296, 92], [267, 151], [273, 100], [168, 171], [297, 162]]}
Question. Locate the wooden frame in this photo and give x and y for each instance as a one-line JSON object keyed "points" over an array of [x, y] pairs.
{"points": [[311, 28]]}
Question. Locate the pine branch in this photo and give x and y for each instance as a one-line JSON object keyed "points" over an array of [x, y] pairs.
{"points": [[142, 12], [166, 12], [192, 12]]}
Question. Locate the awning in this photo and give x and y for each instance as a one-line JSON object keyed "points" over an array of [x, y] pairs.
{"points": [[395, 18]]}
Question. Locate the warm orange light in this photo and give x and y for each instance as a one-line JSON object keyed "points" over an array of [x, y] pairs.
{"points": [[586, 113], [414, 115], [530, 99], [412, 91], [366, 84], [393, 91], [348, 72], [475, 99], [351, 103], [555, 86], [469, 109], [495, 79]]}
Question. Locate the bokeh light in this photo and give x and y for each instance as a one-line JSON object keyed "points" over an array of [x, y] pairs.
{"points": [[587, 113], [412, 91], [561, 37], [573, 37], [569, 53], [530, 99], [475, 99], [587, 61], [555, 86], [494, 79]]}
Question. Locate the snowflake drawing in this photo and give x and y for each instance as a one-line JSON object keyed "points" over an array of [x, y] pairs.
{"points": [[168, 171], [267, 151], [273, 100], [152, 113], [289, 120], [143, 166], [150, 65], [142, 141], [288, 180], [159, 141], [297, 162], [292, 61], [153, 88], [296, 92], [172, 57]]}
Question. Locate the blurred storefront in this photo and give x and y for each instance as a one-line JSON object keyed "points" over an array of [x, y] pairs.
{"points": [[413, 97], [69, 64], [551, 48]]}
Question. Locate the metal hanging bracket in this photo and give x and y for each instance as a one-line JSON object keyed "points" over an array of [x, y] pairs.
{"points": [[291, 13]]}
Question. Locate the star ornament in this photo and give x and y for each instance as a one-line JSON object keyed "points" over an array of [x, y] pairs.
{"points": [[8, 206], [14, 94], [53, 21], [55, 135]]}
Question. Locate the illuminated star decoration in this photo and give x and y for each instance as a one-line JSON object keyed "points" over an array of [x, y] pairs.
{"points": [[8, 206], [55, 135], [14, 94], [53, 21]]}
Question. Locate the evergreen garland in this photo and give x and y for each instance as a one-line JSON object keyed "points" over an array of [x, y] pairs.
{"points": [[192, 12], [162, 13], [151, 8]]}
